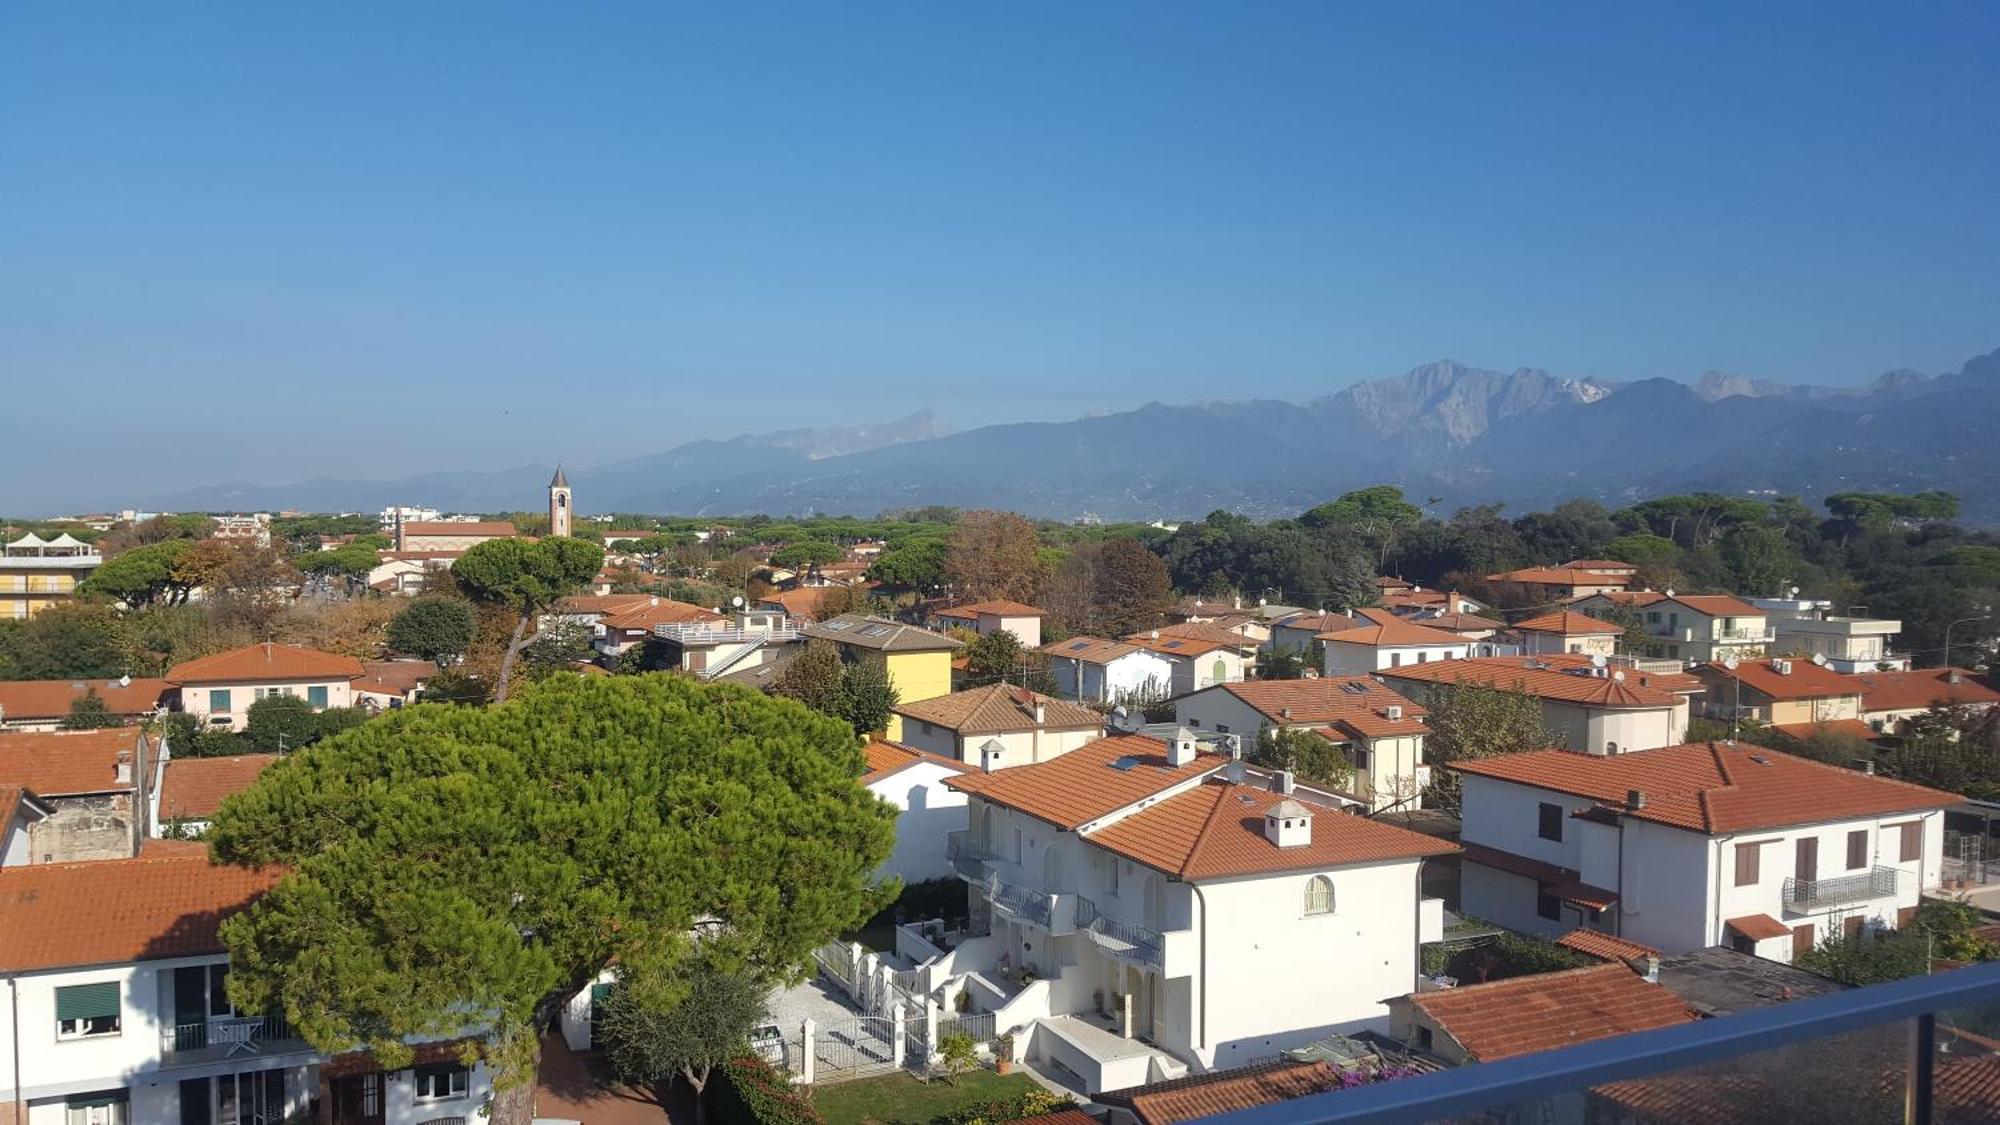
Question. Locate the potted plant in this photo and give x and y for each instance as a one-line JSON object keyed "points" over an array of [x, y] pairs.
{"points": [[1003, 1054]]}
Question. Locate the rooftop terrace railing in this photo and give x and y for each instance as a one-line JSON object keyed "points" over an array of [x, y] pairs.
{"points": [[1707, 1062]]}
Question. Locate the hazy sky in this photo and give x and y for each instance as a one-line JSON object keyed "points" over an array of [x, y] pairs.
{"points": [[274, 241]]}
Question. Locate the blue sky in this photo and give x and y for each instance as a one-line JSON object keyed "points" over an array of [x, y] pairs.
{"points": [[270, 241]]}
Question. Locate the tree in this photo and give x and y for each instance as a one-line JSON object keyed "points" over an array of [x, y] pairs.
{"points": [[188, 737], [685, 1025], [434, 627], [1306, 753], [866, 696], [560, 648], [1378, 514], [1285, 664], [88, 712], [813, 678], [958, 1052], [810, 553], [444, 862], [277, 723], [72, 641], [994, 555], [1471, 721], [1131, 588], [144, 575], [526, 578], [350, 560], [918, 564]]}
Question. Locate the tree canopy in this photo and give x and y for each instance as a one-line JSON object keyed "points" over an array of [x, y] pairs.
{"points": [[445, 861], [433, 627], [525, 577]]}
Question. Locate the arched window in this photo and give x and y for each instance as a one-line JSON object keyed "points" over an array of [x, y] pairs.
{"points": [[1319, 895]]}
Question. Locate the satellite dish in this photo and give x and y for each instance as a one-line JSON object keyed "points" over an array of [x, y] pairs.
{"points": [[1618, 676], [125, 680], [1126, 722], [1597, 660], [737, 601], [1731, 663], [1819, 658]]}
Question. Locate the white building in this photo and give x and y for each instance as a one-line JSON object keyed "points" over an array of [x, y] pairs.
{"points": [[1889, 699], [1298, 632], [1383, 640], [1196, 662], [1128, 891], [1567, 631], [1689, 846], [1096, 670], [927, 810], [1692, 627], [1850, 644], [1381, 731], [1592, 710], [117, 1015], [403, 513], [221, 688], [997, 726], [985, 618]]}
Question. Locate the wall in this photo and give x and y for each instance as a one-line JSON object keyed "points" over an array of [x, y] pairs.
{"points": [[1214, 709], [195, 699], [1344, 658], [915, 676], [930, 812], [1027, 630], [1020, 747]]}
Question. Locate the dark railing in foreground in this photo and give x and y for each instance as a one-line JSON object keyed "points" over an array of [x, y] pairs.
{"points": [[1469, 1090]]}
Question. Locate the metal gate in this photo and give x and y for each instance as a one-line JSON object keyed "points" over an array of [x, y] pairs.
{"points": [[834, 960], [853, 1049]]}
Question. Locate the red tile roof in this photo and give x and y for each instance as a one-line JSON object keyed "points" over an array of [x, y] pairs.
{"points": [[1095, 779], [1549, 1010], [1204, 632], [1965, 1089], [1090, 650], [1601, 564], [498, 529], [1168, 645], [194, 787], [1205, 1095], [1326, 699], [1001, 607], [1806, 680], [802, 603], [12, 799], [1216, 830], [1606, 947], [1563, 882], [1462, 623], [266, 661], [1714, 787], [394, 677], [582, 604], [1758, 927], [1916, 690], [1557, 576], [1545, 677], [1852, 728], [1568, 623], [999, 709], [885, 758], [1317, 622], [1385, 630], [659, 611], [67, 763], [112, 911], [21, 700], [1718, 605]]}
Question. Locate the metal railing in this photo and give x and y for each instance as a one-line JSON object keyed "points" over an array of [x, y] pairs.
{"points": [[224, 1036], [968, 857], [688, 634], [1120, 938], [1803, 896], [979, 1025], [1022, 902], [1533, 1079]]}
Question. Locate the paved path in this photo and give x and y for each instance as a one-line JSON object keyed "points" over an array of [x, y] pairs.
{"points": [[567, 1088]]}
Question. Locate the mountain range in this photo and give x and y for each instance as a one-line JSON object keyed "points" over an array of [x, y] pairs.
{"points": [[1459, 434]]}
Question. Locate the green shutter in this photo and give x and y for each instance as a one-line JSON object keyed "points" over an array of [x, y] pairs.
{"points": [[316, 696], [87, 1001]]}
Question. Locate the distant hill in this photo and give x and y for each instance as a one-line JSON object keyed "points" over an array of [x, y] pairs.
{"points": [[1461, 434]]}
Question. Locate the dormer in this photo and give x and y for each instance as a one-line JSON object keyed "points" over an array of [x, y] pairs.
{"points": [[1288, 824]]}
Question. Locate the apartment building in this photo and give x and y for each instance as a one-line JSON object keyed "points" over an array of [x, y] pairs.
{"points": [[36, 573], [1591, 709], [1567, 631], [1381, 640], [1684, 847], [1381, 732], [1850, 644], [1797, 697], [1692, 627], [997, 726]]}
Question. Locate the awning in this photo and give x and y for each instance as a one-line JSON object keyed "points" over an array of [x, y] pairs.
{"points": [[1758, 927], [1559, 881]]}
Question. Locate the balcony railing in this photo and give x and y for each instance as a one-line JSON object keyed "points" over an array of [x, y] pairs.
{"points": [[1804, 896], [1544, 1085], [1025, 903], [1121, 939], [188, 1044], [1765, 635], [968, 857], [701, 635]]}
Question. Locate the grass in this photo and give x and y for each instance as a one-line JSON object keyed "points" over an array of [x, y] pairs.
{"points": [[901, 1099]]}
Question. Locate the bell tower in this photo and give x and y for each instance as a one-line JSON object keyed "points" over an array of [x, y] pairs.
{"points": [[559, 504]]}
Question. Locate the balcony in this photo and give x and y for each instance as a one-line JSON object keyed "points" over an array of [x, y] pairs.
{"points": [[1747, 636], [706, 636], [224, 1037], [969, 858], [1807, 896], [1165, 952]]}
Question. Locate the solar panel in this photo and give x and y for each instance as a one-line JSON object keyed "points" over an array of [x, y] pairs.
{"points": [[874, 630], [1078, 646], [1125, 763], [836, 626], [1171, 644]]}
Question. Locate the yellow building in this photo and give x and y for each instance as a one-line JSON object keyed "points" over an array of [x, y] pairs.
{"points": [[917, 661], [36, 573]]}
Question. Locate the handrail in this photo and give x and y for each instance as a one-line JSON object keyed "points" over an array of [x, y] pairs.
{"points": [[1472, 1089], [1145, 943], [1810, 894]]}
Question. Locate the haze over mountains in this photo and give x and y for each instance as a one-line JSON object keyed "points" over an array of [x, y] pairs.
{"points": [[1460, 434]]}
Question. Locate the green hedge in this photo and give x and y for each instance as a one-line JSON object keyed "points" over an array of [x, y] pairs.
{"points": [[1028, 1103], [751, 1091]]}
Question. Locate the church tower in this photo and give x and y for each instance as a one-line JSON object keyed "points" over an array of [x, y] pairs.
{"points": [[559, 504]]}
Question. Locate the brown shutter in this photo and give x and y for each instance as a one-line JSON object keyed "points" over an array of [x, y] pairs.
{"points": [[1913, 840], [1806, 858], [1802, 940], [1746, 865], [1857, 848]]}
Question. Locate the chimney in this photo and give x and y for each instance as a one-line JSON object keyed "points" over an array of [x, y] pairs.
{"points": [[1284, 712], [1652, 969], [1041, 712], [1782, 667], [1181, 750], [1233, 773], [653, 601], [1288, 824], [1236, 601], [990, 753], [1282, 782], [1156, 634], [124, 774], [1635, 799], [1954, 677]]}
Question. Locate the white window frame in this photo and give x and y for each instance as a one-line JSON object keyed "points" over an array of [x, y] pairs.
{"points": [[457, 1082], [1314, 908]]}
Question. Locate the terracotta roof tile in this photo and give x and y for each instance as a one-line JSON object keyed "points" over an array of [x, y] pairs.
{"points": [[1567, 623], [499, 529], [1462, 623], [1557, 576], [1915, 690], [1325, 699], [1806, 680], [1563, 882], [1070, 1116], [12, 799], [1385, 630], [1714, 787], [1205, 1095], [1550, 1010], [1001, 607], [659, 611], [1717, 605], [1601, 564], [51, 699], [1964, 1089], [885, 758], [266, 661], [1852, 728], [1568, 681], [1090, 650], [1091, 781], [194, 787], [1317, 622], [997, 709], [112, 911], [1216, 830], [1758, 927], [66, 763], [599, 603], [1606, 947], [1168, 644]]}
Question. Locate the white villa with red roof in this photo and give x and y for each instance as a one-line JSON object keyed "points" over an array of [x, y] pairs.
{"points": [[1797, 697], [1692, 627], [1689, 846], [1099, 670], [1609, 710], [1382, 732], [1380, 639], [1000, 616], [1137, 914], [1567, 631], [927, 810]]}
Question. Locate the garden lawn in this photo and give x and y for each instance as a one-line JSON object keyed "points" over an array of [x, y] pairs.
{"points": [[901, 1099]]}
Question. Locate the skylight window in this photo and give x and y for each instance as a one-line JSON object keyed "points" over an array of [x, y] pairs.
{"points": [[1126, 763]]}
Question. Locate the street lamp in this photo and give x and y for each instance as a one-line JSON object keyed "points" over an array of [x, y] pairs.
{"points": [[1984, 613]]}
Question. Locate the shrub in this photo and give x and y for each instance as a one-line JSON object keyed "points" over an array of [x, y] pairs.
{"points": [[1029, 1103], [755, 1092], [1512, 955]]}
